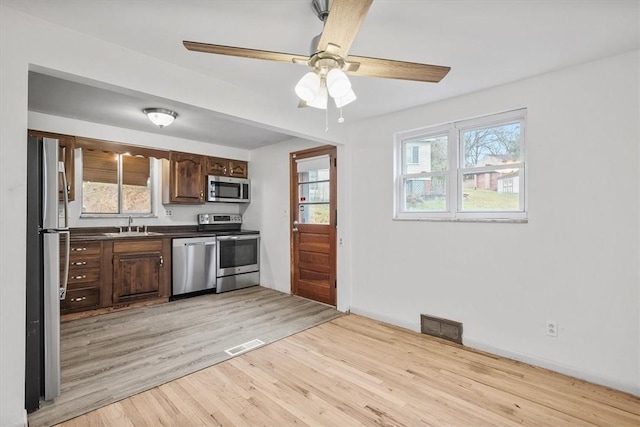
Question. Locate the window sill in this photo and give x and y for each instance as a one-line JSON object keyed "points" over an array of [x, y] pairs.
{"points": [[482, 220], [117, 216]]}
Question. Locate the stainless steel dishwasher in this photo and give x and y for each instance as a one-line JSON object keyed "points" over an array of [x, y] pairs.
{"points": [[193, 265]]}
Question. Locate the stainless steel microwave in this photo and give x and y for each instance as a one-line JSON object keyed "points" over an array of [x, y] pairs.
{"points": [[226, 189]]}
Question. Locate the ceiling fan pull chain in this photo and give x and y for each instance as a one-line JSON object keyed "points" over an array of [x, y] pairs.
{"points": [[326, 119], [340, 119]]}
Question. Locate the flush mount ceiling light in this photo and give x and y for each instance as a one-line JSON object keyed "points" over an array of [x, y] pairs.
{"points": [[160, 117]]}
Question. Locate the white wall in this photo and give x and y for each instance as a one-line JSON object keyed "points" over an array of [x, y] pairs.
{"points": [[27, 42], [575, 261], [269, 210]]}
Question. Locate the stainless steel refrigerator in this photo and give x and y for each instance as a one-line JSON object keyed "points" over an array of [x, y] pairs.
{"points": [[47, 268]]}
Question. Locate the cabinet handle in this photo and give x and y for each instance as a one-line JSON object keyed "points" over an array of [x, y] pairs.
{"points": [[78, 299], [79, 263], [78, 249], [84, 276], [161, 261]]}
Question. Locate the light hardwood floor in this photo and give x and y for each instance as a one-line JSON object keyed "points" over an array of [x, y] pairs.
{"points": [[355, 371], [107, 358]]}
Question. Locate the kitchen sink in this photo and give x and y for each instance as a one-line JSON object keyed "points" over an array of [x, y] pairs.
{"points": [[131, 234]]}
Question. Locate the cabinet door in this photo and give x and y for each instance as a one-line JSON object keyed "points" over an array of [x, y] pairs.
{"points": [[238, 168], [186, 178], [217, 166], [136, 276], [138, 270]]}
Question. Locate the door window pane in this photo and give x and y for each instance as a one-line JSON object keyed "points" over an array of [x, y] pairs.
{"points": [[317, 213], [314, 190]]}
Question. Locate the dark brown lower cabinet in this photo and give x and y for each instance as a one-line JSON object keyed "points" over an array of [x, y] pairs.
{"points": [[138, 270], [85, 277]]}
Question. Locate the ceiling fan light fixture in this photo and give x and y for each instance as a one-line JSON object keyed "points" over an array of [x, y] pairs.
{"points": [[320, 101], [344, 100], [308, 87], [338, 83], [160, 117]]}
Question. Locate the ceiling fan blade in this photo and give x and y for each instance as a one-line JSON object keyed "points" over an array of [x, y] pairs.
{"points": [[390, 69], [244, 53], [345, 18]]}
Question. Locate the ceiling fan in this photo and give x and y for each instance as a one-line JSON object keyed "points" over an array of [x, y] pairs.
{"points": [[330, 59]]}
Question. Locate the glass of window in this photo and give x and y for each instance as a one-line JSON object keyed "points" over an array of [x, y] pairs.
{"points": [[425, 194], [115, 183], [313, 190], [425, 155]]}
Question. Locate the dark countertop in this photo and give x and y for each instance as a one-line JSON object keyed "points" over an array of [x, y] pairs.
{"points": [[81, 234]]}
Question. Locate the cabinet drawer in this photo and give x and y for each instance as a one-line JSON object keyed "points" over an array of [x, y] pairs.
{"points": [[81, 299], [81, 263], [137, 246], [84, 248], [83, 275]]}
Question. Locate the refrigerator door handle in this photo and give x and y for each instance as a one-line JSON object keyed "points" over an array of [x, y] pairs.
{"points": [[63, 288], [65, 193]]}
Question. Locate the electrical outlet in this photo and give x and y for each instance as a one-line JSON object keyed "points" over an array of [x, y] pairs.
{"points": [[340, 242], [168, 212], [552, 328]]}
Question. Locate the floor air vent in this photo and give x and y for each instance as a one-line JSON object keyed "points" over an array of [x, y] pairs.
{"points": [[441, 328], [239, 349]]}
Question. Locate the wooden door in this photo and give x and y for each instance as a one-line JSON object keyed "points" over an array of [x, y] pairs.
{"points": [[187, 179], [313, 224]]}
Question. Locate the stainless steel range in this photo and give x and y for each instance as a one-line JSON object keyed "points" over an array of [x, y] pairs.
{"points": [[237, 251]]}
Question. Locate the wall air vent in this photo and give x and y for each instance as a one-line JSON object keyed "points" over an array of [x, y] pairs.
{"points": [[441, 328]]}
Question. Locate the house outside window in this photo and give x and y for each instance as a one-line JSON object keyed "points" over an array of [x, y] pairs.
{"points": [[470, 169]]}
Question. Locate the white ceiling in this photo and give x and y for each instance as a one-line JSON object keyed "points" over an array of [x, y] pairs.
{"points": [[486, 42]]}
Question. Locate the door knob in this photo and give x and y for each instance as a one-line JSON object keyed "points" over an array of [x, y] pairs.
{"points": [[295, 229]]}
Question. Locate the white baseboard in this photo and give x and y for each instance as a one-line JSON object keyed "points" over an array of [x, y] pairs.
{"points": [[23, 423], [554, 366], [386, 319], [515, 355]]}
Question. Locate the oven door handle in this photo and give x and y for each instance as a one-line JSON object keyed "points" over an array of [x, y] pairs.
{"points": [[248, 237]]}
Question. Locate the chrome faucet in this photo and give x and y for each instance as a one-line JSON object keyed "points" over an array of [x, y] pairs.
{"points": [[130, 222]]}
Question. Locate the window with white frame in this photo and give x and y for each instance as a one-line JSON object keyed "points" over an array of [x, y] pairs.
{"points": [[469, 169]]}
